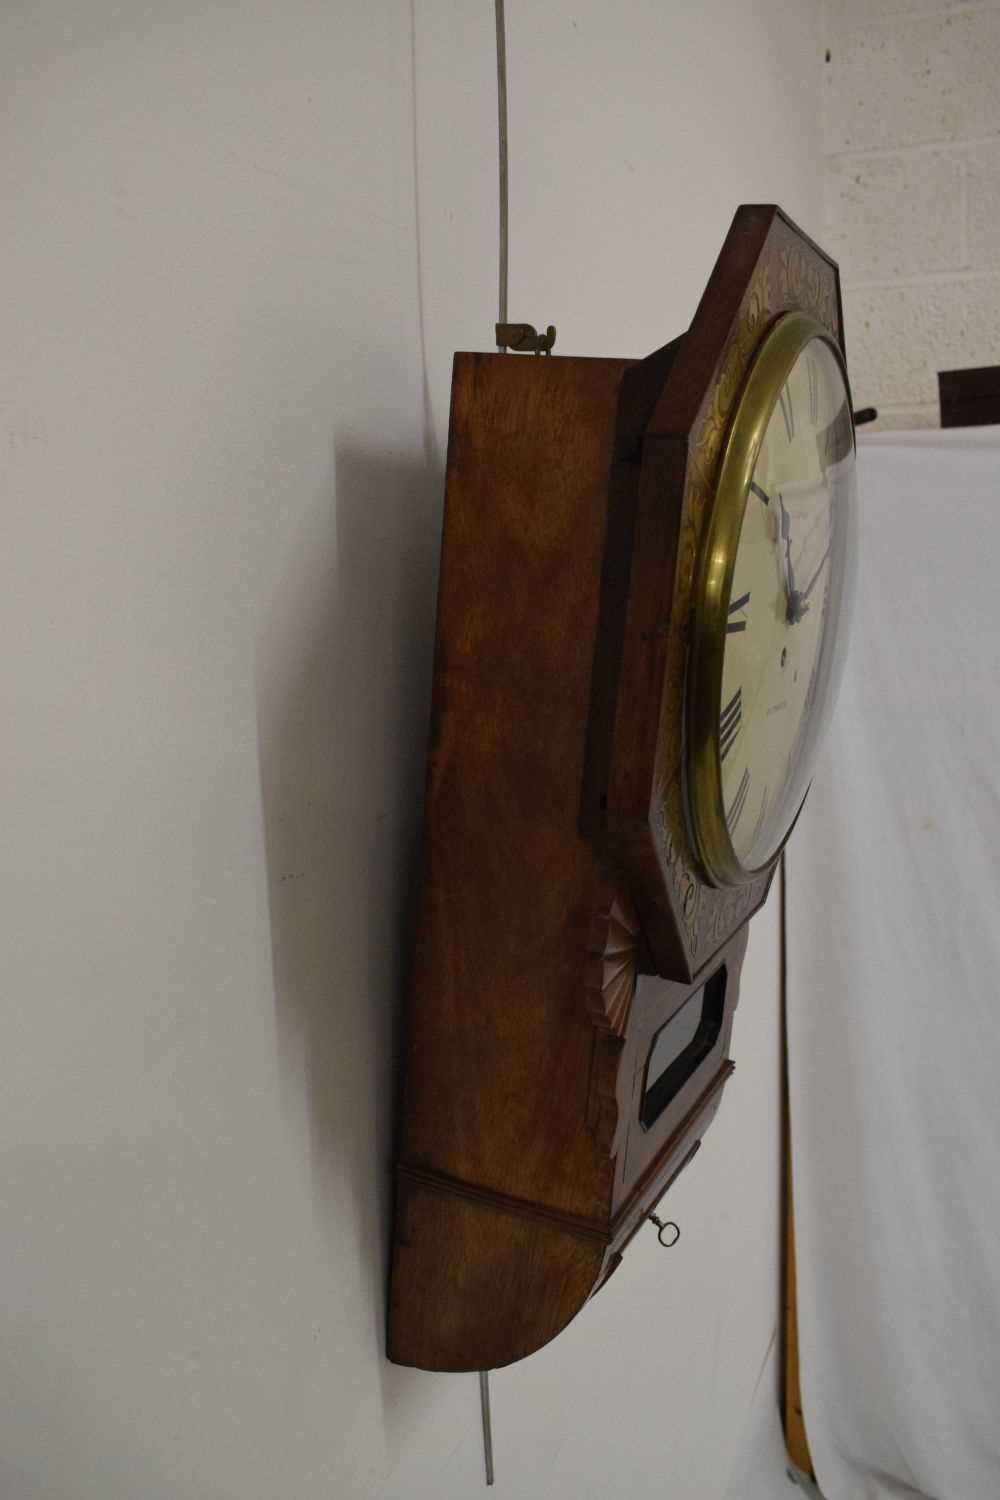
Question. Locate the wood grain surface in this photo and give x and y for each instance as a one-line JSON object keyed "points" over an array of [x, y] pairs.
{"points": [[522, 1168]]}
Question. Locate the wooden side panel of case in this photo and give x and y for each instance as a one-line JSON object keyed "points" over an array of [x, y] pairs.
{"points": [[500, 1039], [499, 1043], [520, 1059]]}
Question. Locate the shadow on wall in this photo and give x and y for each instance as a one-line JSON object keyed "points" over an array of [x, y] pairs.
{"points": [[344, 705]]}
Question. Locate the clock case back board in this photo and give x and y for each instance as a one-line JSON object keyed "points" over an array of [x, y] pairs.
{"points": [[556, 939]]}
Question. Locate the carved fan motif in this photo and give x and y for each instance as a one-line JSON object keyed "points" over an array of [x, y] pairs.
{"points": [[612, 956]]}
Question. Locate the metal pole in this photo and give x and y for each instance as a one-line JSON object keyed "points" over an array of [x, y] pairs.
{"points": [[484, 1401], [502, 131]]}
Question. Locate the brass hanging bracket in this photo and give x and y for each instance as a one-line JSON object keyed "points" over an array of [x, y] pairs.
{"points": [[522, 338]]}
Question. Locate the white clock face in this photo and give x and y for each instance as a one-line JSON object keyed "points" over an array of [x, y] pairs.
{"points": [[785, 632]]}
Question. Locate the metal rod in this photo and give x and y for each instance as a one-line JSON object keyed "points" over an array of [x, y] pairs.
{"points": [[502, 133], [484, 1402]]}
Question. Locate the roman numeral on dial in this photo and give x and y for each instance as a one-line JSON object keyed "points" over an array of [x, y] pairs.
{"points": [[729, 723], [737, 607], [786, 411], [740, 800]]}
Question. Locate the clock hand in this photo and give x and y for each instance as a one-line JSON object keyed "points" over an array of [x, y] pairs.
{"points": [[791, 593], [813, 580]]}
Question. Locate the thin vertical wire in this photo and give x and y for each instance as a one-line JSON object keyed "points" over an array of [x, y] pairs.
{"points": [[502, 134], [785, 1119], [484, 1375], [484, 1402], [786, 1112]]}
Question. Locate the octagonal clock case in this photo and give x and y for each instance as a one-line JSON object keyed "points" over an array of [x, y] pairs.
{"points": [[643, 601]]}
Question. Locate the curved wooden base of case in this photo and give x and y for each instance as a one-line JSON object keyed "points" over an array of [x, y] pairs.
{"points": [[529, 1154], [479, 1283], [477, 1287]]}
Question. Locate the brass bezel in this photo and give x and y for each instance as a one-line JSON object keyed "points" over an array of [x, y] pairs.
{"points": [[772, 364]]}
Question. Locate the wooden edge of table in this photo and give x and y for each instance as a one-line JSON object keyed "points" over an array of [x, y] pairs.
{"points": [[796, 1440]]}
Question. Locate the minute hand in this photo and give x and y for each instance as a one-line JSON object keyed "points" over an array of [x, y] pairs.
{"points": [[813, 580]]}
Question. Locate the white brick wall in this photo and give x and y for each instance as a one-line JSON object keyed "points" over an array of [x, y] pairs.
{"points": [[912, 139]]}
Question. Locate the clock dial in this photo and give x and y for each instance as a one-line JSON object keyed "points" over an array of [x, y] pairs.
{"points": [[788, 566], [786, 597]]}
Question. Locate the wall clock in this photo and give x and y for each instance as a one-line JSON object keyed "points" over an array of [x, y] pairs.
{"points": [[644, 588]]}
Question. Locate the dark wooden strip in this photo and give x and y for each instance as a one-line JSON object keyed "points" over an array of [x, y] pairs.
{"points": [[970, 398], [440, 1182]]}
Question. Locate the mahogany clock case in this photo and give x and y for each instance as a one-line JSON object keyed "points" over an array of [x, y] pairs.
{"points": [[575, 973]]}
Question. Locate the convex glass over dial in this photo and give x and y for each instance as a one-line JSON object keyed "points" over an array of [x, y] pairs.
{"points": [[771, 600]]}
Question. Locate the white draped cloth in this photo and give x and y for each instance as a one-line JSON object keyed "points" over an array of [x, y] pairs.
{"points": [[893, 935]]}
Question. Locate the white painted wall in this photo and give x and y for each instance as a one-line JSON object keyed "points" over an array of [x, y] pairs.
{"points": [[224, 374], [912, 138]]}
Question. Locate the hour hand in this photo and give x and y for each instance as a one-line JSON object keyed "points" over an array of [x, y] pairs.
{"points": [[785, 529]]}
